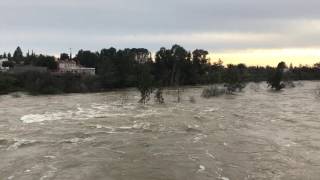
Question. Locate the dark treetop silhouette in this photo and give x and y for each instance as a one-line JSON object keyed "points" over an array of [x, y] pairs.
{"points": [[136, 68]]}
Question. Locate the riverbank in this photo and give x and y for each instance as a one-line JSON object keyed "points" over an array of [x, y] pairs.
{"points": [[36, 83]]}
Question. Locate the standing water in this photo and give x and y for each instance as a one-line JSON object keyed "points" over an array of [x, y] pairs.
{"points": [[257, 134]]}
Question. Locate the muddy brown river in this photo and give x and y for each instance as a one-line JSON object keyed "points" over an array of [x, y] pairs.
{"points": [[256, 134]]}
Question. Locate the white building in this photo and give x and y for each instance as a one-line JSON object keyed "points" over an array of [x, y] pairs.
{"points": [[3, 69], [72, 67]]}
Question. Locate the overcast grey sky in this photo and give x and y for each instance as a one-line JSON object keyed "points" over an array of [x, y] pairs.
{"points": [[53, 26]]}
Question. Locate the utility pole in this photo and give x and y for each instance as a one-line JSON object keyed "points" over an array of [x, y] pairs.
{"points": [[70, 56]]}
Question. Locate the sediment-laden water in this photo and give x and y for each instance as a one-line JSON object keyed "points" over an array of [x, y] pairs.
{"points": [[257, 134]]}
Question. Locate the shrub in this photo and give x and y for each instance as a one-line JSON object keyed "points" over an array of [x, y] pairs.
{"points": [[234, 87], [8, 83], [159, 96], [213, 91]]}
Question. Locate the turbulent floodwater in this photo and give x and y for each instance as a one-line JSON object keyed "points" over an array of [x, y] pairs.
{"points": [[256, 134]]}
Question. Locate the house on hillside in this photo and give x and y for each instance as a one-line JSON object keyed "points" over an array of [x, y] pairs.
{"points": [[69, 66]]}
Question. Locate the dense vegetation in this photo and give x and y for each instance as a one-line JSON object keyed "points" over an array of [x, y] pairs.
{"points": [[137, 68]]}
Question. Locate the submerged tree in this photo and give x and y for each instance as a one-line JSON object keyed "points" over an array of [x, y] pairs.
{"points": [[212, 91], [275, 82], [172, 67], [235, 77], [145, 82], [159, 96]]}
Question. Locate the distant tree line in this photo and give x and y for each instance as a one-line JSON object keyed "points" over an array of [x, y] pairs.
{"points": [[136, 67], [29, 59]]}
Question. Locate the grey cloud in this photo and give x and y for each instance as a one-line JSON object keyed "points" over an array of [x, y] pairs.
{"points": [[124, 23]]}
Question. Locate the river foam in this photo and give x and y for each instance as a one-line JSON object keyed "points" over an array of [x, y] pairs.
{"points": [[94, 111]]}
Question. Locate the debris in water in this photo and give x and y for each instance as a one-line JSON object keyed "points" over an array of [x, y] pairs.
{"points": [[210, 155], [193, 128], [224, 178], [99, 126], [50, 157], [201, 168]]}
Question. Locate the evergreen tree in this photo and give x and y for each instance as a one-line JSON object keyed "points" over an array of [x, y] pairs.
{"points": [[18, 55]]}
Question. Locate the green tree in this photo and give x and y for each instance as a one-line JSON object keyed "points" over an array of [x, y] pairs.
{"points": [[107, 73], [64, 56], [45, 61], [87, 58], [200, 65], [18, 55]]}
